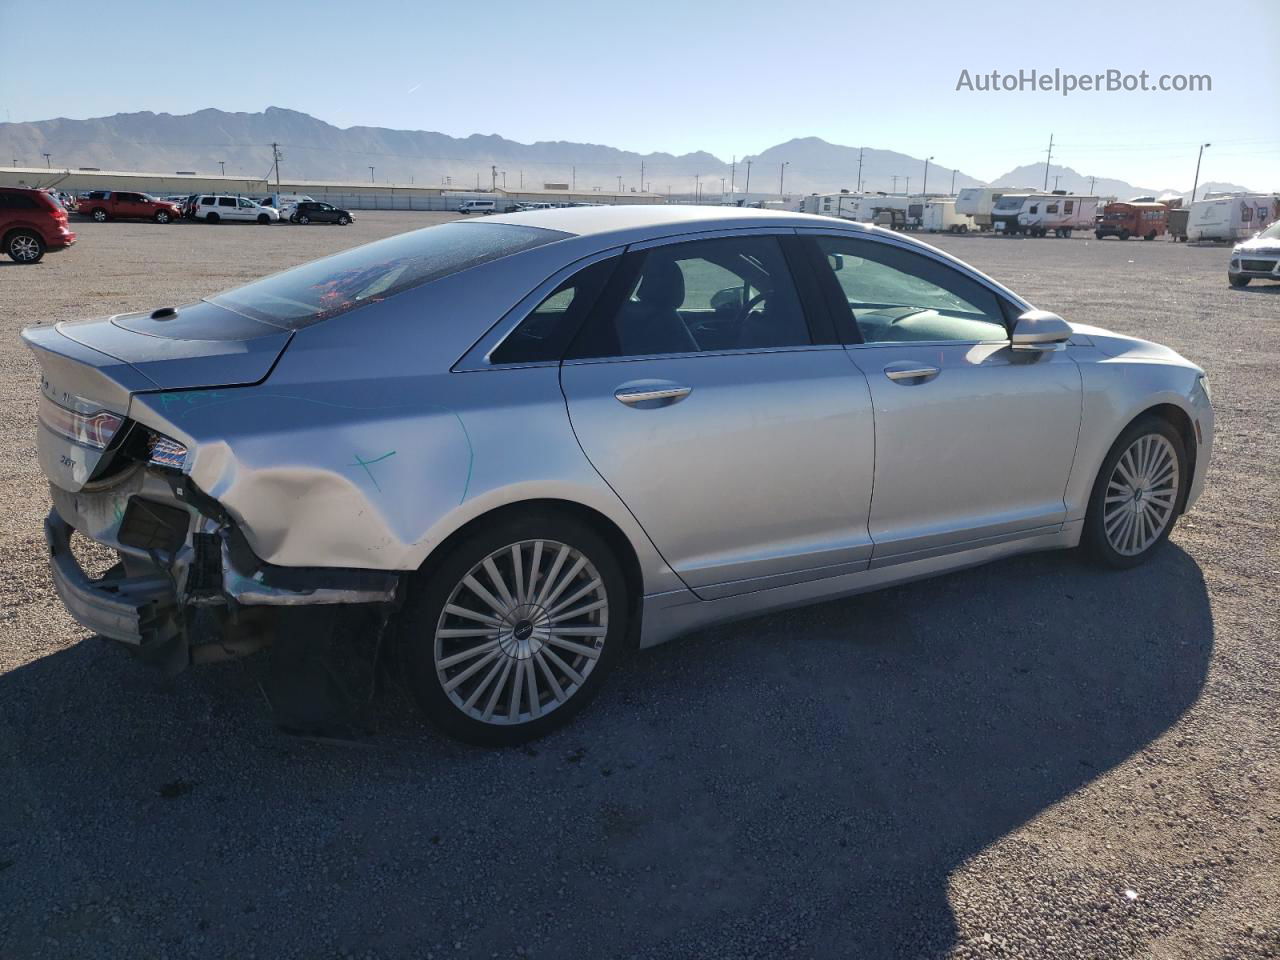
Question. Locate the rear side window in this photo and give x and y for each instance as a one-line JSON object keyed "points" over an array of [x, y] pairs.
{"points": [[544, 335], [226, 201], [325, 288]]}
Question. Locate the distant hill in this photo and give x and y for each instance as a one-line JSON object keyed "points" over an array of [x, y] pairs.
{"points": [[315, 150], [1065, 178]]}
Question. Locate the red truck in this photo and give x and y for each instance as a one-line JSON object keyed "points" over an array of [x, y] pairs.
{"points": [[103, 205]]}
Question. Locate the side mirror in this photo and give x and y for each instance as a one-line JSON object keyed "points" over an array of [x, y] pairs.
{"points": [[1040, 330], [837, 261]]}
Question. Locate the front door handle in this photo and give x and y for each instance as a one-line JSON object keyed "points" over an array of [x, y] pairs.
{"points": [[910, 373], [652, 393]]}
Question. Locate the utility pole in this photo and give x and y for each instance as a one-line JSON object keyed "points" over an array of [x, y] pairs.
{"points": [[1046, 162], [504, 179], [493, 177], [1193, 186], [1092, 181], [860, 149], [275, 162], [371, 180], [953, 183], [722, 186], [46, 160], [1056, 178], [642, 175], [521, 179], [907, 188], [747, 188], [223, 165], [782, 172], [925, 189], [733, 173], [697, 186], [895, 183], [573, 178]]}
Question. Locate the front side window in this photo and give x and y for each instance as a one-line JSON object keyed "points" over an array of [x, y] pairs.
{"points": [[707, 295], [325, 288], [247, 203], [899, 296]]}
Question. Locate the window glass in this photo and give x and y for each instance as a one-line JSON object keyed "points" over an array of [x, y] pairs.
{"points": [[897, 296], [325, 288], [1068, 206], [726, 294], [246, 203], [226, 201], [544, 335]]}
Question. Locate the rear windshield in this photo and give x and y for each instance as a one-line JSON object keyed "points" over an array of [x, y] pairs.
{"points": [[325, 288]]}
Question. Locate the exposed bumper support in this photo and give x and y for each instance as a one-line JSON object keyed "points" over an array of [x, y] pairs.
{"points": [[134, 610]]}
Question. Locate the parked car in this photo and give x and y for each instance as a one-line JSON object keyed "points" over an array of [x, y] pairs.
{"points": [[1257, 258], [32, 223], [673, 426], [476, 206], [316, 211], [103, 205], [214, 208], [1132, 219]]}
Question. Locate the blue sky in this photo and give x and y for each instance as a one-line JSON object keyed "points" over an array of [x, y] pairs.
{"points": [[678, 76]]}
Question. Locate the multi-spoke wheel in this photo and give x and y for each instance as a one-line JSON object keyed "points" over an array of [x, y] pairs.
{"points": [[513, 632], [1138, 493], [24, 246]]}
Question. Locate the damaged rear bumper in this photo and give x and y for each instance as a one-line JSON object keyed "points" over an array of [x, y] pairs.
{"points": [[180, 552]]}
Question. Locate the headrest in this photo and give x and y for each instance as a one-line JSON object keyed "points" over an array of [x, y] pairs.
{"points": [[661, 284]]}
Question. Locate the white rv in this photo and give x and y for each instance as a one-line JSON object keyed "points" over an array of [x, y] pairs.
{"points": [[1231, 218], [1005, 210], [977, 202], [941, 216], [1059, 212]]}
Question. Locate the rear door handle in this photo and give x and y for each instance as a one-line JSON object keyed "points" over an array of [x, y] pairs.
{"points": [[651, 393], [910, 373]]}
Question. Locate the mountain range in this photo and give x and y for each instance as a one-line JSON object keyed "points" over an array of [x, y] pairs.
{"points": [[211, 141]]}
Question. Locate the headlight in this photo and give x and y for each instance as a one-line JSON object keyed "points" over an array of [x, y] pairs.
{"points": [[1204, 385]]}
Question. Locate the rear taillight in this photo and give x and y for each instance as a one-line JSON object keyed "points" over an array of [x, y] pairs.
{"points": [[83, 425]]}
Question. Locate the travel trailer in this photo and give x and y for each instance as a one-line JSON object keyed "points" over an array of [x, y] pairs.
{"points": [[940, 216], [887, 210], [1005, 210], [977, 202], [1058, 212], [1232, 218]]}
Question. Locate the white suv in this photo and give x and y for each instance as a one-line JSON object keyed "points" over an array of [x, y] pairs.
{"points": [[213, 208]]}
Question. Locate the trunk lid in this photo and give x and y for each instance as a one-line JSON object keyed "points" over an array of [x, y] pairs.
{"points": [[96, 366]]}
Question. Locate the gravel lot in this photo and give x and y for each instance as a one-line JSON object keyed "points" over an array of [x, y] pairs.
{"points": [[1033, 759]]}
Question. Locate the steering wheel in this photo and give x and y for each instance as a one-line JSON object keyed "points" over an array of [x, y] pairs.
{"points": [[748, 307]]}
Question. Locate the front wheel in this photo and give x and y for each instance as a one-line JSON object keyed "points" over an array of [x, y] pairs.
{"points": [[263, 218], [162, 216], [1236, 280], [1124, 234], [99, 215], [343, 220], [1138, 493], [513, 632]]}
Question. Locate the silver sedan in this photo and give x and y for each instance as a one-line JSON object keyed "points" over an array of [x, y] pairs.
{"points": [[529, 444]]}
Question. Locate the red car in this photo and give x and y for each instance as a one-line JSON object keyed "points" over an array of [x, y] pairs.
{"points": [[31, 223], [103, 205]]}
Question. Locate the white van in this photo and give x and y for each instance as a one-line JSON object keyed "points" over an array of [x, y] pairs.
{"points": [[476, 206], [214, 208]]}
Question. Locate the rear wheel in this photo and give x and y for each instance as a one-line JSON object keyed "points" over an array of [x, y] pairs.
{"points": [[1099, 234], [162, 216], [24, 246], [1137, 494], [212, 218], [515, 629], [1124, 234], [304, 219], [1150, 236], [99, 215]]}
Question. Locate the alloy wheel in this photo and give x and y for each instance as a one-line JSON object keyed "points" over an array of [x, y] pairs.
{"points": [[24, 248], [1141, 495], [521, 632]]}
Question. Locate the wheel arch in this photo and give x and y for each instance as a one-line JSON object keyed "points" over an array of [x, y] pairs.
{"points": [[21, 228], [1181, 422], [613, 535]]}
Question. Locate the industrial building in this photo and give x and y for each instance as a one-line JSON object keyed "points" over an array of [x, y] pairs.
{"points": [[350, 196]]}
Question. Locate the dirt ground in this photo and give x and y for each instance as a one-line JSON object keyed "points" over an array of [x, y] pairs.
{"points": [[1033, 759]]}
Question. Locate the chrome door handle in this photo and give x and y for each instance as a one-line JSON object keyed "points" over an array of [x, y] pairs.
{"points": [[634, 395], [910, 371]]}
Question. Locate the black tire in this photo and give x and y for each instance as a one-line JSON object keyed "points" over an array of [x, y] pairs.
{"points": [[304, 219], [1094, 537], [964, 228], [212, 218], [1066, 233], [1150, 236], [1124, 234], [1236, 280], [1099, 234], [99, 215], [24, 246], [430, 591], [343, 220], [263, 218], [162, 216]]}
